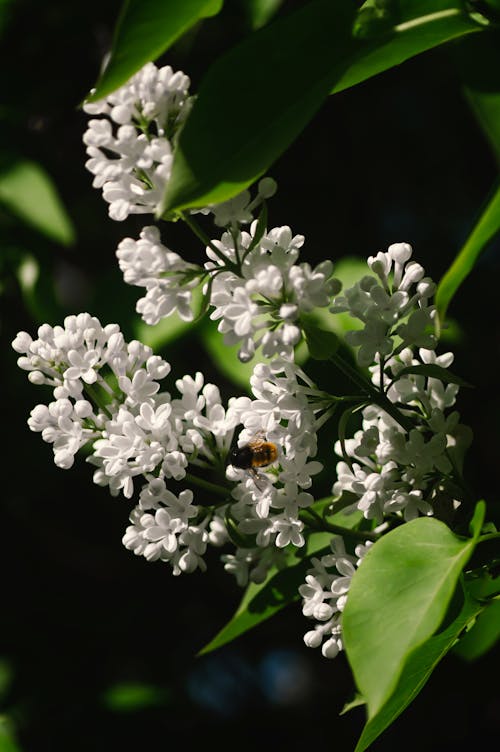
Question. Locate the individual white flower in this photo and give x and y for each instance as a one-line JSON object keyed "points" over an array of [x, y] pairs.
{"points": [[394, 305]]}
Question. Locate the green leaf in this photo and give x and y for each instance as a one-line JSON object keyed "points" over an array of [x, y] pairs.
{"points": [[280, 75], [280, 587], [8, 742], [483, 634], [484, 231], [125, 697], [144, 31], [417, 670], [28, 192], [391, 32], [273, 83], [322, 344], [397, 599], [262, 601], [432, 370], [484, 586], [260, 12], [36, 282]]}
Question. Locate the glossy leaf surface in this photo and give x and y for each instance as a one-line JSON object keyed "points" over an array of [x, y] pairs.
{"points": [[397, 599]]}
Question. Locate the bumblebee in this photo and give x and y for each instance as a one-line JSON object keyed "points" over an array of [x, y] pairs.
{"points": [[258, 452]]}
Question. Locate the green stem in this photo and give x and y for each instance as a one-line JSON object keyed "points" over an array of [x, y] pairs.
{"points": [[94, 397], [488, 536], [207, 486], [207, 242], [375, 395], [324, 525]]}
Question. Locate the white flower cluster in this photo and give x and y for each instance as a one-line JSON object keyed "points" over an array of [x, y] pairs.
{"points": [[107, 397], [288, 410], [130, 148], [324, 595], [256, 289], [391, 470], [394, 309], [387, 468], [261, 305]]}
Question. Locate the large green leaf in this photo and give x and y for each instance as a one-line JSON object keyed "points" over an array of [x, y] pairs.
{"points": [[257, 98], [146, 29], [280, 588], [28, 192], [391, 32], [484, 231], [417, 670], [398, 598]]}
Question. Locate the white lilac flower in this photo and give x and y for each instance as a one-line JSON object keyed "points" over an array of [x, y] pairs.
{"points": [[324, 594], [107, 397], [392, 303], [168, 279], [239, 210], [130, 147], [259, 297]]}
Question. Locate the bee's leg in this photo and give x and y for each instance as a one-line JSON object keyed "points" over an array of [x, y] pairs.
{"points": [[257, 478]]}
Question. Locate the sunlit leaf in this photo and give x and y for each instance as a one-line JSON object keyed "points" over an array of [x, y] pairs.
{"points": [[146, 29], [484, 231], [28, 192], [398, 598], [417, 670]]}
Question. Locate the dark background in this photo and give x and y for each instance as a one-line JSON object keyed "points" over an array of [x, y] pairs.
{"points": [[398, 158]]}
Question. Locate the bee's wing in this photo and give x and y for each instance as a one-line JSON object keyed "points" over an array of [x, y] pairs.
{"points": [[257, 439]]}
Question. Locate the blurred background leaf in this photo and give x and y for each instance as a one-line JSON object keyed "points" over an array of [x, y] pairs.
{"points": [[28, 192]]}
